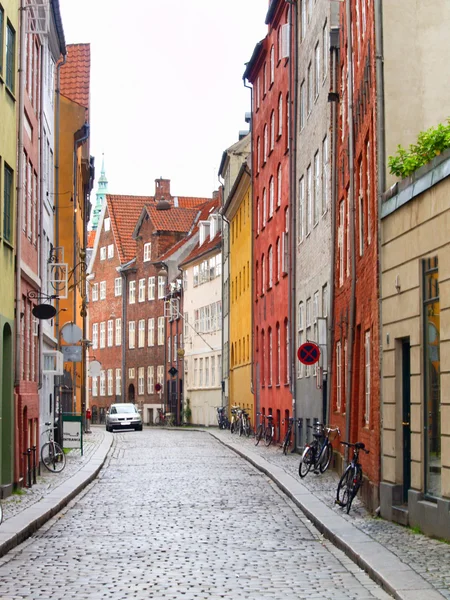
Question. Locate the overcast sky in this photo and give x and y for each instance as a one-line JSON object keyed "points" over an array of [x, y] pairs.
{"points": [[167, 96]]}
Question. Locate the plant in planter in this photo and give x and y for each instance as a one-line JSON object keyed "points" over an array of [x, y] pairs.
{"points": [[187, 412]]}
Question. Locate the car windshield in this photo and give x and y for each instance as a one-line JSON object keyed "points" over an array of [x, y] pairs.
{"points": [[126, 408]]}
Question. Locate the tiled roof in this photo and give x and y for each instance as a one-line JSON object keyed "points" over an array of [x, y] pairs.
{"points": [[124, 212], [91, 238], [75, 74], [206, 247], [174, 219], [187, 202]]}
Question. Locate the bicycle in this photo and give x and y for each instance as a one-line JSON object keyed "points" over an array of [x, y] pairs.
{"points": [[52, 455], [164, 419], [288, 436], [244, 423], [319, 452], [351, 479], [269, 432], [235, 418], [222, 419]]}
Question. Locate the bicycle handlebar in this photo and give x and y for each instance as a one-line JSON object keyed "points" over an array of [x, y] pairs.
{"points": [[357, 446]]}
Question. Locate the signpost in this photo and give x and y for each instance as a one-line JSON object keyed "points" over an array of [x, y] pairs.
{"points": [[308, 353], [73, 432]]}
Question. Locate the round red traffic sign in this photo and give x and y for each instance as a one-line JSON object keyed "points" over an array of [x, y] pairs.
{"points": [[308, 353], [158, 387]]}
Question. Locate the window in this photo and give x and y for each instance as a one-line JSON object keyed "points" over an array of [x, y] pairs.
{"points": [[118, 382], [280, 115], [110, 333], [264, 79], [213, 371], [131, 374], [263, 276], [118, 286], [161, 286], [150, 380], [7, 195], [278, 369], [132, 334], [141, 333], [94, 379], [300, 327], [258, 93], [270, 354], [308, 200], [140, 381], [361, 209], [258, 216], [324, 174], [110, 382], [131, 292], [94, 336], [317, 79], [103, 253], [141, 292], [258, 154], [265, 144], [118, 332], [272, 130], [279, 185], [368, 194], [302, 19], [325, 301], [107, 224], [341, 242], [271, 196], [338, 377], [151, 332], [147, 252], [325, 50], [151, 288], [110, 250], [301, 210], [302, 104], [102, 334], [270, 266], [10, 57], [102, 290], [102, 383], [207, 372], [317, 174], [310, 89], [272, 64], [94, 292], [264, 208], [200, 372], [160, 331], [278, 259], [367, 376], [2, 20]]}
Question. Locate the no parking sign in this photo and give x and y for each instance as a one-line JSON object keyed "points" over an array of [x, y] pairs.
{"points": [[308, 353]]}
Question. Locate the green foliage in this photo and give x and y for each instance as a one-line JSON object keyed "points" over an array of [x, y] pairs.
{"points": [[430, 143], [187, 412]]}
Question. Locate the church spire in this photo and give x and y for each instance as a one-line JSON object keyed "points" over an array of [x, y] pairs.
{"points": [[102, 190]]}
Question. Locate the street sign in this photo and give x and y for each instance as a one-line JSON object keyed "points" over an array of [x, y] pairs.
{"points": [[158, 387], [308, 353], [71, 353], [71, 333], [173, 371]]}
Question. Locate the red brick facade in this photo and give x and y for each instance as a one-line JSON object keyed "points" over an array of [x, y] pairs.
{"points": [[356, 331], [268, 72]]}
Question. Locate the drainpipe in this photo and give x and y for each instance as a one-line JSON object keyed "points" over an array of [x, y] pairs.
{"points": [[228, 307], [124, 320], [334, 201], [40, 240], [352, 217], [20, 191], [381, 179]]}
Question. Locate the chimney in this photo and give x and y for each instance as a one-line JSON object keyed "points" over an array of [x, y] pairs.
{"points": [[162, 189]]}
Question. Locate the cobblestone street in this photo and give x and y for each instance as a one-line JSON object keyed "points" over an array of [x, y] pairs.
{"points": [[175, 514]]}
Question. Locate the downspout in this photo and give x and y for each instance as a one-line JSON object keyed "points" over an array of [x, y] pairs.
{"points": [[334, 201], [227, 222], [351, 216], [20, 193], [39, 241], [124, 320], [293, 83], [56, 187], [381, 186]]}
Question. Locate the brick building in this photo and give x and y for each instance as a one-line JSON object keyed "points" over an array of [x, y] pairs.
{"points": [[268, 72], [355, 397], [126, 313]]}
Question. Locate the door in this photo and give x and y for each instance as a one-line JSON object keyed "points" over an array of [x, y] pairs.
{"points": [[406, 417]]}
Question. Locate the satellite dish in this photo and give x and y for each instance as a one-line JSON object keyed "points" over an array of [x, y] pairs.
{"points": [[94, 368], [71, 333], [44, 311]]}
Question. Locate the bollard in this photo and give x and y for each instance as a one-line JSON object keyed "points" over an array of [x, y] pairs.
{"points": [[33, 449], [28, 455]]}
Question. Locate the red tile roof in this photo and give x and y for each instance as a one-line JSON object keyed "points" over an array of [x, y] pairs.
{"points": [[206, 247], [174, 219], [91, 238], [124, 212], [187, 202], [75, 74]]}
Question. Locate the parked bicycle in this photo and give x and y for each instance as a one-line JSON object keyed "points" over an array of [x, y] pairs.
{"points": [[52, 455], [235, 419], [265, 429], [165, 419], [288, 435], [318, 454], [222, 418], [352, 477], [244, 423]]}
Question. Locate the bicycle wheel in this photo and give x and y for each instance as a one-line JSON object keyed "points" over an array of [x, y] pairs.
{"points": [[53, 457], [354, 486], [241, 427], [286, 442], [258, 434], [343, 487], [325, 457], [247, 428], [232, 425], [268, 436], [158, 419], [1, 514], [306, 461]]}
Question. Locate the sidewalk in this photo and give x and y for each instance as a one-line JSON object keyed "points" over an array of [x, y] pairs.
{"points": [[408, 565], [23, 514]]}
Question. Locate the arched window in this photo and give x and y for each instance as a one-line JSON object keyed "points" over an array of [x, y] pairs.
{"points": [[263, 359], [279, 185], [258, 154], [278, 261], [258, 216], [278, 365], [280, 115], [263, 275], [270, 266], [264, 208], [272, 64], [271, 196], [270, 356], [272, 129], [266, 144]]}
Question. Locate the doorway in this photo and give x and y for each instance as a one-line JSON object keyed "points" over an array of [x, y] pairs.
{"points": [[406, 417]]}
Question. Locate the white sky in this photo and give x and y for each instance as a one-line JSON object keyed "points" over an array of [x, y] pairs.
{"points": [[167, 96]]}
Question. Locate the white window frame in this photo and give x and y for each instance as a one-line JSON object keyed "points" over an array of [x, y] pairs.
{"points": [[160, 331], [118, 382], [94, 336], [151, 288], [150, 379], [141, 290], [94, 386], [110, 382], [147, 251], [301, 210], [110, 250], [102, 290], [131, 334], [151, 331], [94, 292], [367, 382], [141, 333], [102, 383], [103, 253], [102, 334], [110, 333], [118, 286], [132, 292], [118, 331], [141, 381], [338, 376], [161, 286], [107, 223]]}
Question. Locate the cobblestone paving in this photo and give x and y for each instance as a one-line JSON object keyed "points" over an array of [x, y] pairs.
{"points": [[47, 481], [176, 514], [430, 558]]}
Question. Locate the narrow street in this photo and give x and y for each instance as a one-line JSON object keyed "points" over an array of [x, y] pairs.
{"points": [[176, 514]]}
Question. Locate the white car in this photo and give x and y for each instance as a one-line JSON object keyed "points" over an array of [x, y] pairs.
{"points": [[123, 416]]}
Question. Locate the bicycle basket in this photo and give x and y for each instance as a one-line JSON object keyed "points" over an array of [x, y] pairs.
{"points": [[318, 430]]}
